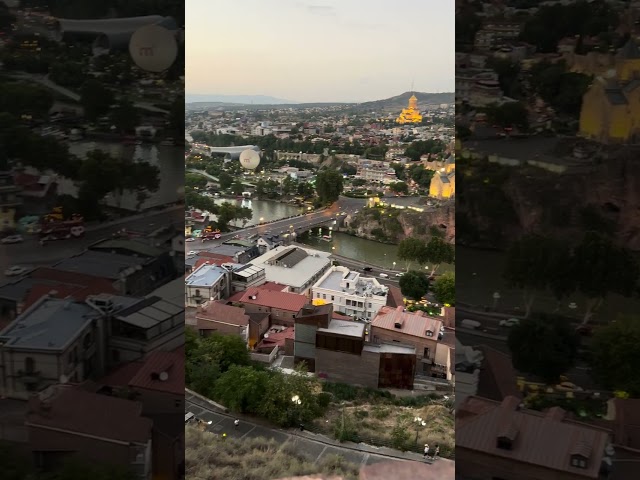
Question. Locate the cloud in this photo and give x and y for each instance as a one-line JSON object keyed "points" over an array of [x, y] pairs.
{"points": [[321, 10]]}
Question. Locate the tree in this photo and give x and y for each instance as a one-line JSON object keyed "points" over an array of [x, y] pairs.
{"points": [[6, 17], [289, 186], [96, 99], [194, 180], [240, 388], [414, 284], [530, 266], [124, 116], [358, 182], [602, 268], [545, 346], [237, 187], [328, 186], [508, 115], [420, 175], [225, 180], [410, 249], [437, 251], [615, 355], [444, 288], [399, 187]]}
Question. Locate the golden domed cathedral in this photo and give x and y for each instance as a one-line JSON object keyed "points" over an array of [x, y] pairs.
{"points": [[411, 114], [611, 107]]}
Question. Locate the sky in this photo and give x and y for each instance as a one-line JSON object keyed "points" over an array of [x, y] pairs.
{"points": [[319, 50]]}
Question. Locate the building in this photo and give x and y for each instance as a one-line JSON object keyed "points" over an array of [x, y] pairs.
{"points": [[207, 282], [443, 185], [608, 113], [157, 382], [297, 267], [351, 293], [395, 326], [336, 350], [504, 440], [246, 276], [376, 171], [9, 202], [268, 242], [62, 421], [411, 114], [220, 318], [54, 340], [281, 307]]}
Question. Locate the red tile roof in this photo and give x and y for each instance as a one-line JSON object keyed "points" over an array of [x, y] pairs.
{"points": [[76, 410], [398, 470], [62, 290], [211, 312], [122, 375], [539, 439], [412, 323], [290, 302], [627, 422], [339, 316], [150, 377], [498, 378], [394, 297], [278, 339]]}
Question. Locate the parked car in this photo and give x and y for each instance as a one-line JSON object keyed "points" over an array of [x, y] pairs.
{"points": [[12, 239], [510, 322], [367, 269], [192, 253], [190, 239], [472, 324], [14, 271], [384, 275], [399, 274]]}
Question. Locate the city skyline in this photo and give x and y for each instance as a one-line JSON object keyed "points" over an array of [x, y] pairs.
{"points": [[254, 51]]}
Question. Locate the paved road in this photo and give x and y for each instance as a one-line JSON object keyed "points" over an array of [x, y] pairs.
{"points": [[311, 448], [215, 179], [495, 337], [30, 253]]}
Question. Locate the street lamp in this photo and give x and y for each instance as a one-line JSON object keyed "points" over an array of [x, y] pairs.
{"points": [[295, 400], [419, 422], [573, 306], [394, 265], [261, 219], [496, 298]]}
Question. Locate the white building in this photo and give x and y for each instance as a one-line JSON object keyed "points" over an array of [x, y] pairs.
{"points": [[298, 268], [350, 293], [207, 282]]}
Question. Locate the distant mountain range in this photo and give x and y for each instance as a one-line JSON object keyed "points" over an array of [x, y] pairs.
{"points": [[237, 99], [196, 102]]}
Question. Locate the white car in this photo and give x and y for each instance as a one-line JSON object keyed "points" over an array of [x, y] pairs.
{"points": [[191, 239], [12, 239], [399, 274], [510, 322], [568, 387], [15, 270], [192, 253]]}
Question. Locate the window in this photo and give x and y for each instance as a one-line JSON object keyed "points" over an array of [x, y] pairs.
{"points": [[29, 365], [332, 298], [578, 461], [370, 305], [317, 295], [197, 293], [324, 296], [504, 443], [426, 353]]}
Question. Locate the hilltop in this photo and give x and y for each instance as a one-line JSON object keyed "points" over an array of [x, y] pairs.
{"points": [[401, 101]]}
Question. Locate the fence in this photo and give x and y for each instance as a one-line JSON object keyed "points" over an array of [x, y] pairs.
{"points": [[264, 357]]}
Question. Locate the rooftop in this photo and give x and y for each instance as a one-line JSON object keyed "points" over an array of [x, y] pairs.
{"points": [[161, 372], [205, 275], [132, 246], [218, 312], [287, 301], [148, 312], [247, 271], [543, 439], [358, 285], [73, 409], [389, 348], [413, 324], [293, 266], [101, 264], [49, 324], [345, 327]]}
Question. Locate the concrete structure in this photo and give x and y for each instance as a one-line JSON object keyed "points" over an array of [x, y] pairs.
{"points": [[9, 201], [246, 276], [207, 282], [281, 307], [268, 242], [299, 268], [351, 293], [220, 318]]}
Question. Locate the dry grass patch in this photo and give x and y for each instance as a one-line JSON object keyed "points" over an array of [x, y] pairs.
{"points": [[209, 457]]}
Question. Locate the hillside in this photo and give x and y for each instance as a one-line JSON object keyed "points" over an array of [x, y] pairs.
{"points": [[401, 101]]}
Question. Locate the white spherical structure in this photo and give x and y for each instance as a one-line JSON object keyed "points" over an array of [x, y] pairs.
{"points": [[153, 48], [250, 159]]}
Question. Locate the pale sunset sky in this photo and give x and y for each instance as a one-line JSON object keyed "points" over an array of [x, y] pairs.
{"points": [[319, 50]]}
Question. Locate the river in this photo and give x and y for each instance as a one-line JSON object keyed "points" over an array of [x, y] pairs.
{"points": [[169, 159], [263, 210], [479, 277]]}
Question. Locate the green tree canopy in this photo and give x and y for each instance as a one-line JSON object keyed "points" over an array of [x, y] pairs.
{"points": [[615, 355], [328, 186], [96, 99], [444, 288], [545, 346], [241, 387], [414, 284]]}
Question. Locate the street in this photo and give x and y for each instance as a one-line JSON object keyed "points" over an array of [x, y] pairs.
{"points": [[495, 336], [31, 253]]}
